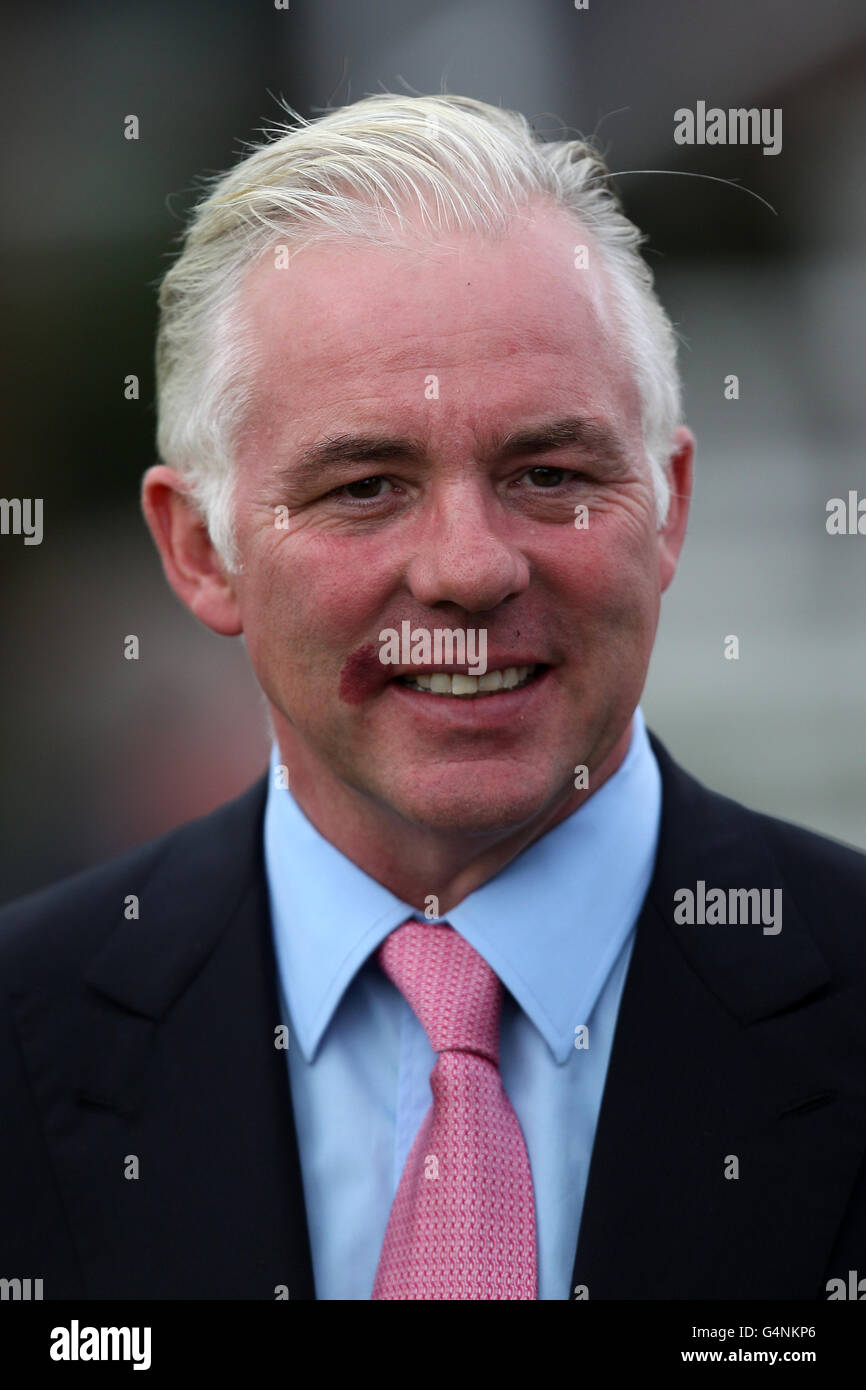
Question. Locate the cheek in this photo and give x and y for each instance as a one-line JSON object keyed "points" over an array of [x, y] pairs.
{"points": [[342, 591], [608, 572], [311, 600]]}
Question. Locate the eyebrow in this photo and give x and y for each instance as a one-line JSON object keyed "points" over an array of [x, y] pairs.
{"points": [[572, 431]]}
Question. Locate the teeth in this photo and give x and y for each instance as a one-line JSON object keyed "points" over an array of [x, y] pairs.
{"points": [[442, 683], [492, 681], [463, 685]]}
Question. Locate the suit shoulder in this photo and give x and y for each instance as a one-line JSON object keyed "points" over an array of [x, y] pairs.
{"points": [[801, 854], [50, 929], [796, 848], [826, 880], [798, 851], [822, 879]]}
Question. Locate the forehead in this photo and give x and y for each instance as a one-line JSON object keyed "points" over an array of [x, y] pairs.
{"points": [[523, 323]]}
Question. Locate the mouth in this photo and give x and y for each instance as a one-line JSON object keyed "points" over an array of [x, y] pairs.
{"points": [[466, 687]]}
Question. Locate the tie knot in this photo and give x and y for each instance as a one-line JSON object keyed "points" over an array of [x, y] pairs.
{"points": [[448, 985]]}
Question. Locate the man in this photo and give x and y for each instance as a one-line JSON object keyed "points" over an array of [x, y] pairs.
{"points": [[476, 994]]}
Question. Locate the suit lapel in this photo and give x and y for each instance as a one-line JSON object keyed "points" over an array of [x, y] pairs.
{"points": [[731, 1053], [164, 1100]]}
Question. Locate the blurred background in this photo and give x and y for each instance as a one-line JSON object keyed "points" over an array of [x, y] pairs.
{"points": [[100, 753]]}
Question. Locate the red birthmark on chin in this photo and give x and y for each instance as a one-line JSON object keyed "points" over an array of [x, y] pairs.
{"points": [[361, 675]]}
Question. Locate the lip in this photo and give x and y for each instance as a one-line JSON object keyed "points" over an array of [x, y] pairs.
{"points": [[491, 712]]}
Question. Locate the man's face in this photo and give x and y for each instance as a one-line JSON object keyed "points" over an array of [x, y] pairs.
{"points": [[442, 354]]}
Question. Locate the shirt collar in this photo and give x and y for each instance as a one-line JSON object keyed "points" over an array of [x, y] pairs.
{"points": [[551, 923]]}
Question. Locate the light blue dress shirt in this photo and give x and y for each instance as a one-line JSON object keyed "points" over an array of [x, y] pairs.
{"points": [[557, 926]]}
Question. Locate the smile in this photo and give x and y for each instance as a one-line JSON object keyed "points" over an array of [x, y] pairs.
{"points": [[468, 687]]}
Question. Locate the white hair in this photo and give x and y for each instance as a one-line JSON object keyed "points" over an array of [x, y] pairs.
{"points": [[361, 172]]}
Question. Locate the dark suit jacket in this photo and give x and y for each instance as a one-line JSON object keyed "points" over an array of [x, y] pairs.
{"points": [[154, 1038]]}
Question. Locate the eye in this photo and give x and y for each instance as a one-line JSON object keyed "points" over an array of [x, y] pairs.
{"points": [[365, 487], [543, 476], [546, 477], [364, 490]]}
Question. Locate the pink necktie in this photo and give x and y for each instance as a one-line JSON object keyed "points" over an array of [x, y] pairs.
{"points": [[463, 1221]]}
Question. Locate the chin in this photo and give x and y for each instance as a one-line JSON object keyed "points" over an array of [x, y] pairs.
{"points": [[471, 808]]}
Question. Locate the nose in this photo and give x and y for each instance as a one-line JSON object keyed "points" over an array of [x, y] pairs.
{"points": [[466, 557]]}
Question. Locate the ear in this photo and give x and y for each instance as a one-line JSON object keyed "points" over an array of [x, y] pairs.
{"points": [[191, 563], [679, 471]]}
